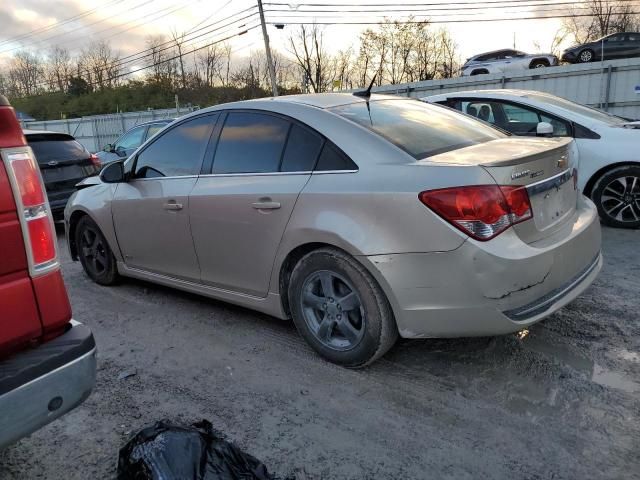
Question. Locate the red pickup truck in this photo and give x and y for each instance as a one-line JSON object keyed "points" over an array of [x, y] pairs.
{"points": [[47, 359]]}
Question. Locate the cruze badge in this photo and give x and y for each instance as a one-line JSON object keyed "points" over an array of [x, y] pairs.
{"points": [[516, 175]]}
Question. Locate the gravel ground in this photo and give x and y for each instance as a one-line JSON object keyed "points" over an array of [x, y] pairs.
{"points": [[564, 402]]}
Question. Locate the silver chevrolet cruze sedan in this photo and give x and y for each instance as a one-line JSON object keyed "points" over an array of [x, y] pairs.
{"points": [[362, 218]]}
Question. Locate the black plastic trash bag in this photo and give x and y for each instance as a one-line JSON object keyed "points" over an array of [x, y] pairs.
{"points": [[167, 452]]}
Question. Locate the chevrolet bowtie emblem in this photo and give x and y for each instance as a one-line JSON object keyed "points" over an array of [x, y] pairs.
{"points": [[563, 162]]}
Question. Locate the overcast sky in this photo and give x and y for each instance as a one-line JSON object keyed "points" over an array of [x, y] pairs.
{"points": [[126, 23]]}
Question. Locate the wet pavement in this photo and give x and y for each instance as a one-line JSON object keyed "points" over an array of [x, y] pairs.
{"points": [[562, 401]]}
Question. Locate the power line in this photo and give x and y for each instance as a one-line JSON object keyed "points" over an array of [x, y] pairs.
{"points": [[57, 24], [36, 42], [393, 5], [441, 21], [402, 9]]}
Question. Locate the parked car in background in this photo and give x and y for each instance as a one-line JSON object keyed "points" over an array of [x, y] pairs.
{"points": [[130, 140], [504, 61], [63, 162], [47, 360], [608, 147], [362, 218], [617, 45]]}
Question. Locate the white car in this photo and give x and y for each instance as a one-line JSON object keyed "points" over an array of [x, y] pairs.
{"points": [[608, 147], [503, 61]]}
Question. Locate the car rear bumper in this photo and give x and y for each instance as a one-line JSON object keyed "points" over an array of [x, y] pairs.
{"points": [[494, 287], [41, 384]]}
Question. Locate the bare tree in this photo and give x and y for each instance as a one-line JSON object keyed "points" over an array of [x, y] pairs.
{"points": [[58, 68], [209, 60], [604, 17], [26, 73], [98, 64], [311, 57], [178, 41]]}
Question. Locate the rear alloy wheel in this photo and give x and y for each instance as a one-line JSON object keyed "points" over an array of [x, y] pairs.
{"points": [[585, 56], [617, 196], [539, 64], [340, 310], [94, 252]]}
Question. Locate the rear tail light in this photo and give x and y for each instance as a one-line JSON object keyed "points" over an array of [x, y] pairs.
{"points": [[31, 201], [95, 161], [480, 211]]}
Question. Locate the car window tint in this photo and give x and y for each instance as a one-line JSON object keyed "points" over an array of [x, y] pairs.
{"points": [[481, 110], [155, 128], [560, 128], [250, 143], [420, 129], [633, 37], [56, 148], [301, 153], [132, 139], [177, 152], [516, 113], [615, 38], [331, 158]]}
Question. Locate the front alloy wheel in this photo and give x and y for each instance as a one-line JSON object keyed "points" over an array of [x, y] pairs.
{"points": [[617, 196], [586, 56], [94, 253]]}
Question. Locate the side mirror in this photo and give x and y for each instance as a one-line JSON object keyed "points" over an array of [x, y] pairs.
{"points": [[113, 173], [108, 148], [544, 129]]}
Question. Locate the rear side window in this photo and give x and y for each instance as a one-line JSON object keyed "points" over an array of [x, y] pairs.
{"points": [[250, 143], [420, 129], [178, 152], [56, 148], [332, 158], [155, 128], [301, 153]]}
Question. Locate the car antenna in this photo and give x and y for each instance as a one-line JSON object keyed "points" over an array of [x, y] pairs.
{"points": [[366, 93]]}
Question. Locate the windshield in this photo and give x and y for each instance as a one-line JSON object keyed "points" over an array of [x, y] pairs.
{"points": [[583, 110], [420, 129]]}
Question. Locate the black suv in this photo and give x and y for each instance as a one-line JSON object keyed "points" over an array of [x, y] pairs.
{"points": [[63, 162]]}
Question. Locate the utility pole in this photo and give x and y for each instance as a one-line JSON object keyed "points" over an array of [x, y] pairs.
{"points": [[272, 71]]}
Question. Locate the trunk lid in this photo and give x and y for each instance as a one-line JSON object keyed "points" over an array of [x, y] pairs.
{"points": [[543, 165]]}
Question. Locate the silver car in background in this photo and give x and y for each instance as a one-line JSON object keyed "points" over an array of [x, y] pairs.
{"points": [[362, 218], [506, 61]]}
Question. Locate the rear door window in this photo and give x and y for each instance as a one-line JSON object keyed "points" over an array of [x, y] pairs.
{"points": [[251, 143], [332, 159], [56, 148], [178, 152], [420, 129], [301, 152]]}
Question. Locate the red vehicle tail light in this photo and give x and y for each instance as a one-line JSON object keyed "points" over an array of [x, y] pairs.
{"points": [[28, 179], [480, 211], [95, 161], [33, 210], [41, 238]]}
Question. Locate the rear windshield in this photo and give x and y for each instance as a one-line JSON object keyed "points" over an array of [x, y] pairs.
{"points": [[420, 129], [59, 148]]}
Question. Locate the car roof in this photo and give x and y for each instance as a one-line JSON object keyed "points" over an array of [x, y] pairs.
{"points": [[317, 100], [493, 93]]}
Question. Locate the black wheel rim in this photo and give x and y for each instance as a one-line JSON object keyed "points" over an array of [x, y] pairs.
{"points": [[332, 310], [620, 199], [93, 251]]}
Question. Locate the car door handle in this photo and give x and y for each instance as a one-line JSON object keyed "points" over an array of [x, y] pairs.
{"points": [[173, 206], [266, 205]]}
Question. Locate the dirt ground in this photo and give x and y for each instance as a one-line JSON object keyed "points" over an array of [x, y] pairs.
{"points": [[564, 402]]}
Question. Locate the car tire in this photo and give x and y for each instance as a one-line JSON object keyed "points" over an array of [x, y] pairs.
{"points": [[340, 310], [539, 64], [585, 56], [94, 253], [617, 196]]}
